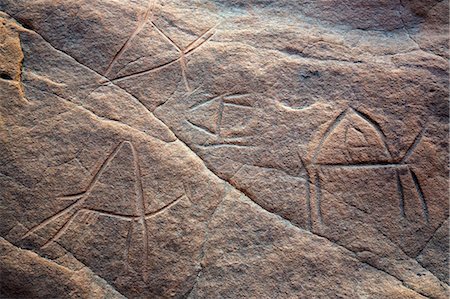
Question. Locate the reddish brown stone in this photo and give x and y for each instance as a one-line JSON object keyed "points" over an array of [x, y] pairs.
{"points": [[224, 149]]}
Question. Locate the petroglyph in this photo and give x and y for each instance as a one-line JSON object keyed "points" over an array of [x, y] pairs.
{"points": [[367, 136], [164, 156], [81, 199], [211, 112], [190, 49]]}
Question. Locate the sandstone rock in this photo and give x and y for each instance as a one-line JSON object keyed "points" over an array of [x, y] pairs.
{"points": [[26, 275], [224, 149]]}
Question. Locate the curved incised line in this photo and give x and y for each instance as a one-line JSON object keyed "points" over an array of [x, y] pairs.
{"points": [[376, 126], [163, 208], [327, 133]]}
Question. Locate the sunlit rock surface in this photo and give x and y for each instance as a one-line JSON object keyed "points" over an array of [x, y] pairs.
{"points": [[224, 149]]}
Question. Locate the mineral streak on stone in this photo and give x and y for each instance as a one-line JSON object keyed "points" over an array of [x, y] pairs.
{"points": [[224, 149]]}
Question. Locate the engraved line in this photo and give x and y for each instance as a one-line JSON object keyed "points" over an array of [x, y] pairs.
{"points": [[231, 179], [190, 47], [237, 96], [238, 105], [186, 192], [182, 58], [430, 238], [112, 214], [140, 25], [225, 145], [165, 207], [318, 197], [201, 104], [103, 166], [347, 151], [414, 145], [327, 133], [200, 128], [192, 50], [104, 118], [171, 98], [166, 37], [364, 165], [377, 128], [92, 218], [71, 196], [141, 206], [62, 230], [308, 194], [219, 116], [149, 11], [421, 195], [134, 61], [401, 194], [144, 72], [128, 244], [183, 66], [312, 184], [359, 130], [51, 219], [118, 55]]}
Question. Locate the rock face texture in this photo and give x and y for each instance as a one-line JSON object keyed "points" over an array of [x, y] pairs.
{"points": [[224, 149]]}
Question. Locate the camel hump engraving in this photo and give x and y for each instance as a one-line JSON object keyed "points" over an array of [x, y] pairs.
{"points": [[353, 138]]}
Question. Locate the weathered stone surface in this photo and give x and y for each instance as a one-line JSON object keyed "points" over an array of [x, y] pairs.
{"points": [[224, 149], [26, 275]]}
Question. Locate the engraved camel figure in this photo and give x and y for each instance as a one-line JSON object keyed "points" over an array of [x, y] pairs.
{"points": [[81, 204], [364, 147]]}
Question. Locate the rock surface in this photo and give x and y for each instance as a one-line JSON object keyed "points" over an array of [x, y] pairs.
{"points": [[224, 149]]}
